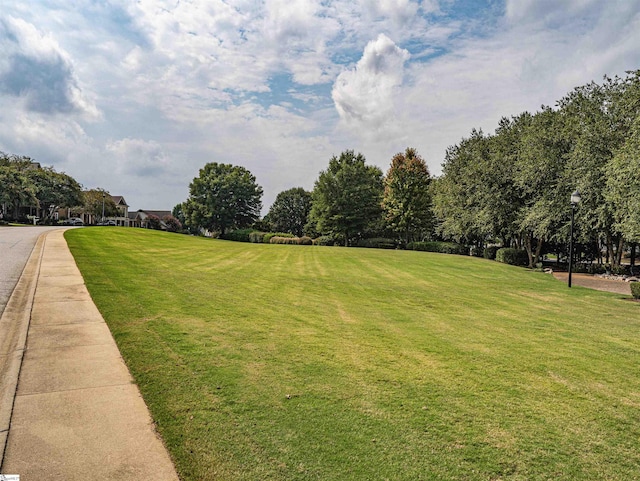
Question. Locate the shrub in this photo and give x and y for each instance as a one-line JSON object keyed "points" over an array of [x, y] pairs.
{"points": [[441, 247], [172, 224], [596, 269], [490, 252], [153, 222], [306, 241], [378, 243], [635, 289], [511, 256], [268, 236], [324, 240], [257, 237], [239, 235], [290, 240]]}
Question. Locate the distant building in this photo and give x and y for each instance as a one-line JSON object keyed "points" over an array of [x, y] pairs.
{"points": [[122, 219], [141, 218]]}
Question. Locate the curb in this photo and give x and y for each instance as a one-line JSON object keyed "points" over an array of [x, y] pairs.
{"points": [[14, 325]]}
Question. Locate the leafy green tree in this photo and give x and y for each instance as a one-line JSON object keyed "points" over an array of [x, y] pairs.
{"points": [[92, 202], [539, 176], [456, 202], [54, 190], [16, 189], [623, 186], [178, 213], [223, 197], [347, 197], [290, 211], [407, 198]]}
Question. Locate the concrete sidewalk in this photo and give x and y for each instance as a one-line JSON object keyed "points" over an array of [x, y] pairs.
{"points": [[76, 414]]}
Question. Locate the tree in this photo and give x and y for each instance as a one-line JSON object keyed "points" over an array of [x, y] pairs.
{"points": [[92, 202], [407, 199], [16, 189], [457, 203], [223, 197], [54, 190], [539, 176], [290, 211], [347, 197], [623, 186], [153, 222], [172, 224]]}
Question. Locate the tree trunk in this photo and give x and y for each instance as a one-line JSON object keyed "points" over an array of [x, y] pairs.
{"points": [[620, 251], [527, 244], [609, 249], [538, 250], [632, 259]]}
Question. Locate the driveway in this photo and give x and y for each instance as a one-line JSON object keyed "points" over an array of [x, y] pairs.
{"points": [[16, 244]]}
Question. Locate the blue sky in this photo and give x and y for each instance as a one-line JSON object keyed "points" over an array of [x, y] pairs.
{"points": [[136, 97]]}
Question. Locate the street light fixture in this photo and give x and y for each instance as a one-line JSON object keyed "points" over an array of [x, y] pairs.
{"points": [[575, 200]]}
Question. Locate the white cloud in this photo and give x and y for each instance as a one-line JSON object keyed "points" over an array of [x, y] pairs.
{"points": [[138, 157], [271, 85], [35, 70], [364, 96]]}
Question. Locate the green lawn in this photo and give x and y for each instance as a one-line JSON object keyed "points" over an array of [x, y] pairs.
{"points": [[279, 362]]}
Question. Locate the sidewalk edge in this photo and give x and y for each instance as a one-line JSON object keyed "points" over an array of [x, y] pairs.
{"points": [[14, 326]]}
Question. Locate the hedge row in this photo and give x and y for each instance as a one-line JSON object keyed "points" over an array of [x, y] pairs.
{"points": [[511, 256], [440, 247], [378, 243], [635, 289], [302, 241], [240, 235], [324, 240]]}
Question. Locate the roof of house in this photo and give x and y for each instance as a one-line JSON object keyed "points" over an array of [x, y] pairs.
{"points": [[119, 200], [157, 213]]}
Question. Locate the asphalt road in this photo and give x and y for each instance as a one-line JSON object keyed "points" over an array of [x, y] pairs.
{"points": [[16, 244]]}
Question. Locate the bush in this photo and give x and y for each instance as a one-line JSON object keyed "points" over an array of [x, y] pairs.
{"points": [[596, 269], [440, 247], [291, 240], [257, 237], [153, 222], [268, 236], [377, 243], [324, 240], [240, 235], [635, 289], [511, 256], [490, 252], [172, 224]]}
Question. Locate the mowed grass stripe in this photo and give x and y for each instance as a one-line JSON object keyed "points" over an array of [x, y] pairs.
{"points": [[295, 362]]}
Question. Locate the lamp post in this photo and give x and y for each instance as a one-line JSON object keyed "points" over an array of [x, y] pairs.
{"points": [[575, 200], [103, 196]]}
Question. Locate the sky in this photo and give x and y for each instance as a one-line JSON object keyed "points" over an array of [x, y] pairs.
{"points": [[136, 96]]}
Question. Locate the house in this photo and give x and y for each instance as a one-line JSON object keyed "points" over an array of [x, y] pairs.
{"points": [[122, 219], [141, 218]]}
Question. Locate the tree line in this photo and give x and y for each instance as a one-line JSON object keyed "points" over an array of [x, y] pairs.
{"points": [[350, 201], [26, 188], [509, 188], [514, 186]]}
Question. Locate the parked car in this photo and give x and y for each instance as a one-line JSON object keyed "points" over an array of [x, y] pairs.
{"points": [[107, 222], [74, 221]]}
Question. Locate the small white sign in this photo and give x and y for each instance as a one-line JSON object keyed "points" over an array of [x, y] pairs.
{"points": [[9, 477]]}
